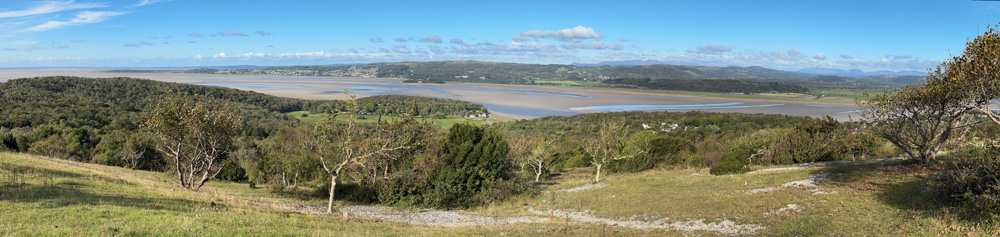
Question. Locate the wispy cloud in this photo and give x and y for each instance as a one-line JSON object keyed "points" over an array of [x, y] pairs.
{"points": [[78, 41], [263, 33], [86, 17], [710, 49], [456, 41], [596, 44], [400, 39], [820, 56], [846, 56], [575, 34], [196, 35], [376, 40], [28, 48], [50, 7], [136, 45], [147, 2]]}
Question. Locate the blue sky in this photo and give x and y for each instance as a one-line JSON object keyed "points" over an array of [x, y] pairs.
{"points": [[788, 35]]}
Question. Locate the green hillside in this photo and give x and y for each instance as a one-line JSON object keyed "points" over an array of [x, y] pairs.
{"points": [[48, 196]]}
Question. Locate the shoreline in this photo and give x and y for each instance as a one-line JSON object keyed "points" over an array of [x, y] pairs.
{"points": [[531, 100]]}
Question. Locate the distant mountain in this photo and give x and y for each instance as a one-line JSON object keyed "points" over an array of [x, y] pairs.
{"points": [[498, 72], [630, 63], [856, 72], [518, 73]]}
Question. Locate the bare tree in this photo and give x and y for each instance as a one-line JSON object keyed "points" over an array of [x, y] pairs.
{"points": [[532, 153], [342, 146], [194, 134], [610, 145]]}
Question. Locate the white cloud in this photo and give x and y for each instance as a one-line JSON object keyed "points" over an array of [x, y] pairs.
{"points": [[50, 7], [376, 40], [436, 50], [795, 53], [456, 41], [793, 59], [86, 17], [196, 35], [431, 39], [575, 34], [399, 48], [234, 33]]}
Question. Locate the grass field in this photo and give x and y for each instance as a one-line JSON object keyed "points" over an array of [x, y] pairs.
{"points": [[58, 197], [445, 123], [569, 83], [843, 93]]}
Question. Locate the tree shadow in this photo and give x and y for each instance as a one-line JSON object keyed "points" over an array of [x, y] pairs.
{"points": [[72, 190], [901, 184]]}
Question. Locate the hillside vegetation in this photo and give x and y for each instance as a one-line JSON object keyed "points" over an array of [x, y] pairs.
{"points": [[41, 195], [516, 73]]}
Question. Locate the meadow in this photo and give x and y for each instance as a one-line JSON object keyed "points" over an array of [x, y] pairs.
{"points": [[42, 195]]}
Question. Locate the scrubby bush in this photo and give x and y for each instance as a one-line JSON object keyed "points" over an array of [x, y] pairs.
{"points": [[735, 162], [468, 168], [972, 177], [663, 150]]}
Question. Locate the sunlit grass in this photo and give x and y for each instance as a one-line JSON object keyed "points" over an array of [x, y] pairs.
{"points": [[58, 197]]}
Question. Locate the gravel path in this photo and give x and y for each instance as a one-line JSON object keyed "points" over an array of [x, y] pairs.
{"points": [[429, 217], [582, 187], [812, 181], [724, 227]]}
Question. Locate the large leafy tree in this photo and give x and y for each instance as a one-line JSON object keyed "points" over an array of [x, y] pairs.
{"points": [[975, 75], [919, 119], [196, 134]]}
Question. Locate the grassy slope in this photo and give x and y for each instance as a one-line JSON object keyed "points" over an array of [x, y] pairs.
{"points": [[61, 197], [443, 123], [870, 199], [70, 198]]}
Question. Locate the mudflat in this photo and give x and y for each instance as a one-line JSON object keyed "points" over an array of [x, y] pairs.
{"points": [[521, 101]]}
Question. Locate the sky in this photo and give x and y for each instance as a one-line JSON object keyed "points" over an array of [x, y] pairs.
{"points": [[785, 35]]}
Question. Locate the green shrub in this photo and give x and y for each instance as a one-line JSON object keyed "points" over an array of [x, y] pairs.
{"points": [[735, 162], [8, 142], [232, 171], [972, 177], [473, 171], [576, 159]]}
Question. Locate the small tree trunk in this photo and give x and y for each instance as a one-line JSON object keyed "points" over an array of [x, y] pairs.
{"points": [[597, 178], [333, 188], [537, 175]]}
